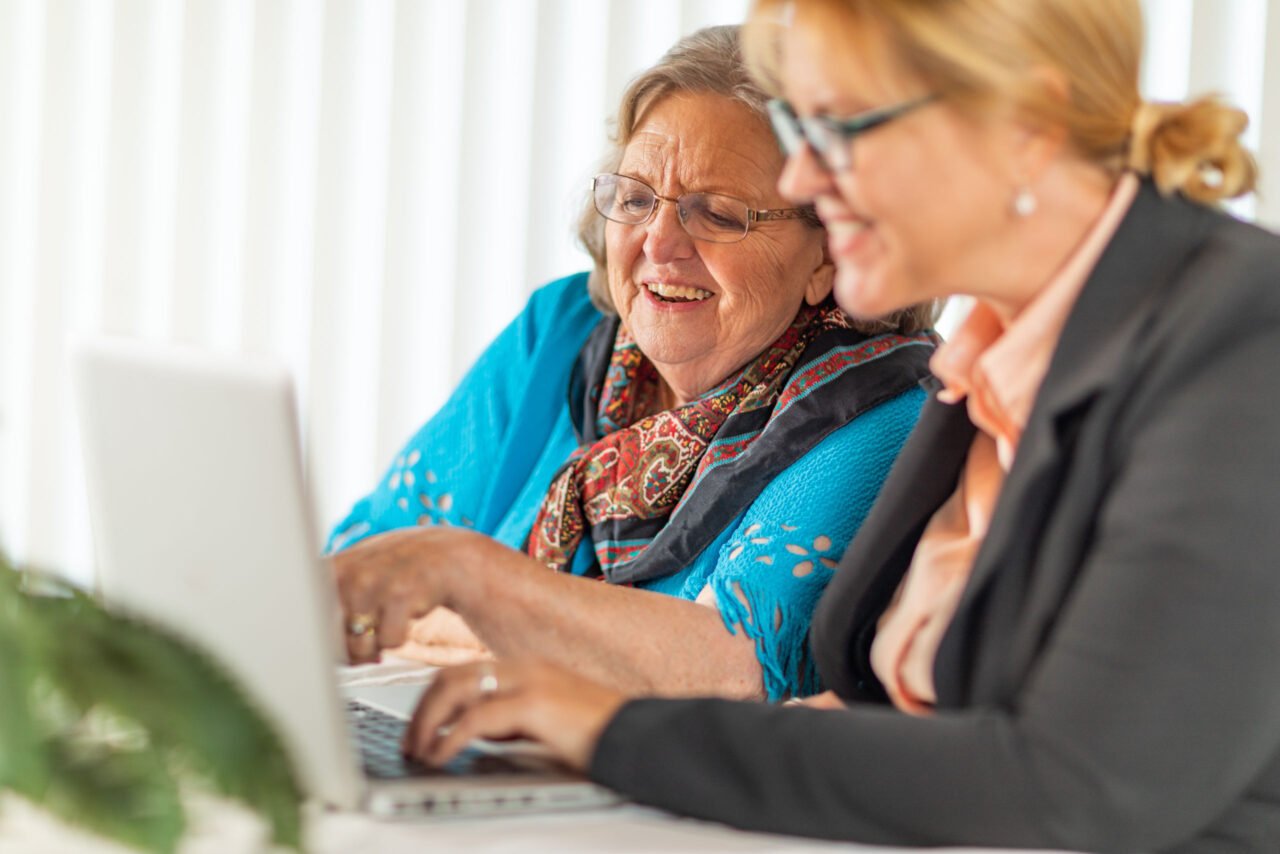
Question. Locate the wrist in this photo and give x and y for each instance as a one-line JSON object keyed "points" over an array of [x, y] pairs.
{"points": [[464, 564]]}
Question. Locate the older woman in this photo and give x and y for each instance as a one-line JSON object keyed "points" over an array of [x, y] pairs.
{"points": [[1058, 627], [725, 430]]}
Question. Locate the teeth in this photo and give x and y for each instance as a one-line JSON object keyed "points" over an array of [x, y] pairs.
{"points": [[844, 228], [677, 291]]}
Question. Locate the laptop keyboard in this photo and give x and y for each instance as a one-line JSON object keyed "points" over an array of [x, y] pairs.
{"points": [[377, 735]]}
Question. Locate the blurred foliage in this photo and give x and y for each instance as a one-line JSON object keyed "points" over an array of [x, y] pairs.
{"points": [[104, 719]]}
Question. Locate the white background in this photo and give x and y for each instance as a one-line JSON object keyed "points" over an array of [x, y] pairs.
{"points": [[365, 190]]}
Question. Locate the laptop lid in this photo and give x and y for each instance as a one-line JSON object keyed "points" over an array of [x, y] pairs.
{"points": [[201, 523]]}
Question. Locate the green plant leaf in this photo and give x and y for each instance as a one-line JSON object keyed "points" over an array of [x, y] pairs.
{"points": [[107, 708], [24, 760], [128, 795], [189, 708]]}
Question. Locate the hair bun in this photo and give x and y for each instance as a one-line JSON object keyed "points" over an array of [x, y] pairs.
{"points": [[1193, 148]]}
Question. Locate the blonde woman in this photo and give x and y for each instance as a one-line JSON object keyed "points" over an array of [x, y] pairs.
{"points": [[1058, 628]]}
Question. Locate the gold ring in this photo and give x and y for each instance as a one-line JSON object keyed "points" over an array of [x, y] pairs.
{"points": [[488, 683], [362, 624]]}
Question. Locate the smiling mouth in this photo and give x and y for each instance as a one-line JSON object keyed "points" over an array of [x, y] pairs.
{"points": [[844, 233], [677, 293]]}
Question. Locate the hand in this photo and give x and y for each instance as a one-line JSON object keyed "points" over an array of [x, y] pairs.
{"points": [[511, 699], [387, 581], [825, 700], [442, 638]]}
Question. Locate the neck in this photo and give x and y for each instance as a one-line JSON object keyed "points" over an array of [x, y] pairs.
{"points": [[668, 398], [1072, 197]]}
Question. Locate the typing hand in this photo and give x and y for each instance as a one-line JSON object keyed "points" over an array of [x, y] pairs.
{"points": [[511, 699], [825, 700], [387, 581]]}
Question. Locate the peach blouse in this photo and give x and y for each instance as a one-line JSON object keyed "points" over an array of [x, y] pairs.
{"points": [[996, 369]]}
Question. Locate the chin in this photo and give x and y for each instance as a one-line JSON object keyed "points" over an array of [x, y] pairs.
{"points": [[663, 347], [866, 295]]}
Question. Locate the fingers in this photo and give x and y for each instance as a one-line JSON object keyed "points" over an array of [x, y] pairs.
{"points": [[453, 690], [382, 586], [393, 627], [361, 636], [825, 700], [360, 612], [362, 618], [351, 582], [564, 712], [497, 719]]}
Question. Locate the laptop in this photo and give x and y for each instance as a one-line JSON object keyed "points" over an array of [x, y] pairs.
{"points": [[202, 523]]}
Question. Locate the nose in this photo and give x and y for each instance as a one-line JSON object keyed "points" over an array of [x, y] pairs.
{"points": [[804, 178], [665, 238]]}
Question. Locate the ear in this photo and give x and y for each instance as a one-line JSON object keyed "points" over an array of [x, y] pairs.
{"points": [[821, 279], [1035, 148], [1036, 143]]}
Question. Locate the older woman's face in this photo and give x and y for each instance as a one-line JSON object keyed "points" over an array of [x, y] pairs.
{"points": [[924, 212], [700, 310]]}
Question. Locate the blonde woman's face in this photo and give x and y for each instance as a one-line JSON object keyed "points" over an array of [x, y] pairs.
{"points": [[701, 310], [922, 212]]}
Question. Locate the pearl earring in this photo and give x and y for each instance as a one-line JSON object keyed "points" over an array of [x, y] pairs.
{"points": [[1024, 202]]}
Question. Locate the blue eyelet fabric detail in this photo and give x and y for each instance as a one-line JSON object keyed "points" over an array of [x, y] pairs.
{"points": [[774, 566], [485, 459]]}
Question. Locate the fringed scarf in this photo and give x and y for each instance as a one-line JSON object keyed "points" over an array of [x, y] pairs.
{"points": [[639, 465]]}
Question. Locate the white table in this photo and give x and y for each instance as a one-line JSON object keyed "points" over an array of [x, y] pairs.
{"points": [[221, 828]]}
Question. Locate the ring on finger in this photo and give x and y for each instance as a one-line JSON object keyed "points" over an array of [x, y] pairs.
{"points": [[362, 624]]}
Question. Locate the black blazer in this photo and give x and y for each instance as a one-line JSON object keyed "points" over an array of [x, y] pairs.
{"points": [[1111, 680]]}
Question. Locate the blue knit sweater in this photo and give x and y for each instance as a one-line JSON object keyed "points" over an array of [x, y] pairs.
{"points": [[486, 459]]}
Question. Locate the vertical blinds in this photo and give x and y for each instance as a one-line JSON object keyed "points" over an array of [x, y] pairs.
{"points": [[365, 190]]}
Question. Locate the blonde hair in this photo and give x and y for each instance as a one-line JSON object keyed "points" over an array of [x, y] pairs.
{"points": [[1070, 64], [708, 61]]}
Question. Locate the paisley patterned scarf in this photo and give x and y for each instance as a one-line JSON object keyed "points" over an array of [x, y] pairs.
{"points": [[624, 483]]}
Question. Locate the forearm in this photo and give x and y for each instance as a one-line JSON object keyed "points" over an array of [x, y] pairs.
{"points": [[1149, 712], [876, 776], [634, 640], [868, 774]]}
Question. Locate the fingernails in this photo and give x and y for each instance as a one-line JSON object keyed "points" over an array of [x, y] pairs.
{"points": [[950, 396]]}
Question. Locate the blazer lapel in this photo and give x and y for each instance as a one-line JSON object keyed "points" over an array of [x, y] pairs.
{"points": [[924, 475], [1114, 307]]}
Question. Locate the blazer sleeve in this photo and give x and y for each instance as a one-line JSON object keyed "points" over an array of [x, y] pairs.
{"points": [[1152, 707]]}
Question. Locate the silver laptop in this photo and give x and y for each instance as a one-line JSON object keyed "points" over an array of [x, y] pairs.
{"points": [[202, 522]]}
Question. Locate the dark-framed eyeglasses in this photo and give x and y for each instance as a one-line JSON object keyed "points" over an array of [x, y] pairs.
{"points": [[832, 139], [705, 216]]}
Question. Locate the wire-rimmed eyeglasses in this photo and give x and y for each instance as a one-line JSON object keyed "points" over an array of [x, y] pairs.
{"points": [[705, 216], [832, 139]]}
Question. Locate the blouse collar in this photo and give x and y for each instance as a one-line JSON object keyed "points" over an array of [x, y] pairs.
{"points": [[999, 368]]}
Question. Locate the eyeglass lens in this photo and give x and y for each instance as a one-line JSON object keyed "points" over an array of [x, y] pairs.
{"points": [[706, 216], [786, 126], [832, 139], [832, 148]]}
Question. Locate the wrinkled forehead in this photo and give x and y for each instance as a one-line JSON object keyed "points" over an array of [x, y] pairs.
{"points": [[703, 143]]}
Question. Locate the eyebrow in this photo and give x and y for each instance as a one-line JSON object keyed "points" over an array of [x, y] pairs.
{"points": [[852, 106], [838, 104], [716, 188]]}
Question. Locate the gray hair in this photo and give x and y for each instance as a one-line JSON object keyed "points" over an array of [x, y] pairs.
{"points": [[708, 61]]}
